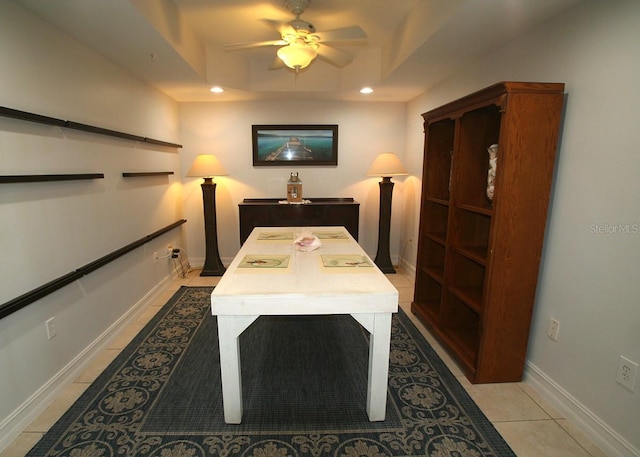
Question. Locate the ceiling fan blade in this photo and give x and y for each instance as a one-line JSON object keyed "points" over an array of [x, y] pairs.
{"points": [[334, 56], [259, 44], [282, 28], [347, 33]]}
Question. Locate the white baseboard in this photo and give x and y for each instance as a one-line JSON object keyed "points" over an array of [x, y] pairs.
{"points": [[409, 268], [603, 436], [31, 408]]}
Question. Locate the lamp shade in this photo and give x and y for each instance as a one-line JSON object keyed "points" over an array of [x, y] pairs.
{"points": [[297, 55], [387, 164], [206, 166]]}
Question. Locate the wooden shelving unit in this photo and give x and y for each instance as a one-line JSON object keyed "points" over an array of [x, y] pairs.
{"points": [[478, 259]]}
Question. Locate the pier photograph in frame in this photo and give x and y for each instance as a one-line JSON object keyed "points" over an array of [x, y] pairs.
{"points": [[287, 145]]}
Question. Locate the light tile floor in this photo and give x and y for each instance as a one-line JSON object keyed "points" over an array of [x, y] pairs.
{"points": [[530, 426]]}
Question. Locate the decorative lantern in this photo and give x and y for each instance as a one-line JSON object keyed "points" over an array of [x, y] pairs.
{"points": [[294, 188]]}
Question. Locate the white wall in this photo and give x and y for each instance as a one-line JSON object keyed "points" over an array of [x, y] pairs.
{"points": [[50, 229], [589, 280], [224, 129]]}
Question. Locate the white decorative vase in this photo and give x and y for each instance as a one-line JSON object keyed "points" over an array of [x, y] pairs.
{"points": [[491, 174]]}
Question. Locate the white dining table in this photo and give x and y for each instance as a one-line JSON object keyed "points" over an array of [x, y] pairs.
{"points": [[270, 276]]}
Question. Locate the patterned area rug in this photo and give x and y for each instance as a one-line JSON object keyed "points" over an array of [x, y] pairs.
{"points": [[304, 389]]}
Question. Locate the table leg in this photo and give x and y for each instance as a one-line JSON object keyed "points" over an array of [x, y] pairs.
{"points": [[229, 329], [379, 326]]}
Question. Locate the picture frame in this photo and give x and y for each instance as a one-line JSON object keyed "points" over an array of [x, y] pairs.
{"points": [[295, 145]]}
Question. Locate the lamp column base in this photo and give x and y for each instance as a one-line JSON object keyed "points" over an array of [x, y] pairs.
{"points": [[383, 257], [212, 264]]}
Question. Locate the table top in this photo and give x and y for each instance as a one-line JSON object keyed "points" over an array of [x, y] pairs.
{"points": [[270, 276]]}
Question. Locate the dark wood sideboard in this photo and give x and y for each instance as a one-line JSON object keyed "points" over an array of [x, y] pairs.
{"points": [[267, 212]]}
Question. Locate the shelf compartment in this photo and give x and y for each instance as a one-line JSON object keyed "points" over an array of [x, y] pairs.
{"points": [[478, 129], [435, 217], [466, 281], [428, 294], [486, 210], [471, 234], [433, 258], [469, 295], [435, 273], [477, 254], [438, 160], [461, 325]]}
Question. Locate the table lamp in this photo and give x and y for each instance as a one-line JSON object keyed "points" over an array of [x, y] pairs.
{"points": [[207, 166], [385, 165]]}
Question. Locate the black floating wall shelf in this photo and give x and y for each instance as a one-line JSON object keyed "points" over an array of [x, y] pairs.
{"points": [[58, 283], [145, 173], [43, 178], [31, 117], [101, 131]]}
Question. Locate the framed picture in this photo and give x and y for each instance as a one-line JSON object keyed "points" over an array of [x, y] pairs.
{"points": [[287, 145]]}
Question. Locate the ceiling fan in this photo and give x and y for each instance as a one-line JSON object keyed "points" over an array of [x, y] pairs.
{"points": [[300, 44]]}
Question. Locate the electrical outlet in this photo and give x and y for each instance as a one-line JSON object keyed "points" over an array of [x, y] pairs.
{"points": [[166, 255], [627, 373], [51, 328], [553, 329]]}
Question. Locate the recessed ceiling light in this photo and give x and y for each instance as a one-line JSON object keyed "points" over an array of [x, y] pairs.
{"points": [[366, 90], [217, 90]]}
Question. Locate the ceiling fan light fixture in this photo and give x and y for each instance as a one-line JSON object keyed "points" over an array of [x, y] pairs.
{"points": [[297, 7], [297, 55]]}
